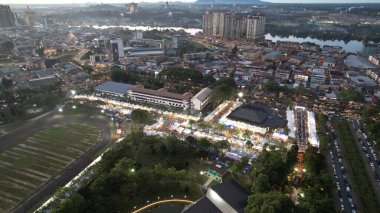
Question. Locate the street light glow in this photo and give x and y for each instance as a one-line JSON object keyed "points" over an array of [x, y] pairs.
{"points": [[60, 110], [73, 92], [240, 94]]}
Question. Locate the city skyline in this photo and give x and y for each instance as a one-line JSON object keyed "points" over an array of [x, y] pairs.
{"points": [[189, 106], [158, 1]]}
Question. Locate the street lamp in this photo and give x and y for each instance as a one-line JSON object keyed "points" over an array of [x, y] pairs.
{"points": [[73, 92], [240, 94], [60, 110]]}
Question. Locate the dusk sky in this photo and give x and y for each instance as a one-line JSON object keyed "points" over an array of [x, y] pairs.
{"points": [[126, 1]]}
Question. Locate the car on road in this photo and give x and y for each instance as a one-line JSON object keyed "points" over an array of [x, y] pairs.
{"points": [[348, 190], [342, 207]]}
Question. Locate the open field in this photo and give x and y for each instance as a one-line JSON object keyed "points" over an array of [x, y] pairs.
{"points": [[30, 162]]}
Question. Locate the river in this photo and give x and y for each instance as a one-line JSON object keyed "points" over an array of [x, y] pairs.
{"points": [[352, 46], [191, 31]]}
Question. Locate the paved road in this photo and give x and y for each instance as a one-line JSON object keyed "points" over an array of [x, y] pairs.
{"points": [[301, 128], [342, 180], [71, 171], [368, 152]]}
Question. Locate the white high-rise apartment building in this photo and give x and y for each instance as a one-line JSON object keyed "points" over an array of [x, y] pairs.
{"points": [[231, 26], [255, 27]]}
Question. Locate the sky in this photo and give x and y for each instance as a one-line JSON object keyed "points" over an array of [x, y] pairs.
{"points": [[127, 1]]}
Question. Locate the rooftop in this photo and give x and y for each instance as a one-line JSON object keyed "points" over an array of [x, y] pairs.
{"points": [[163, 92], [257, 114], [203, 205], [231, 193], [203, 94], [114, 87]]}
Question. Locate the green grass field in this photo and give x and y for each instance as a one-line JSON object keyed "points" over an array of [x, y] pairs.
{"points": [[32, 162]]}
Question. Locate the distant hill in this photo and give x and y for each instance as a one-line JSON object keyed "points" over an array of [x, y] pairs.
{"points": [[229, 1]]}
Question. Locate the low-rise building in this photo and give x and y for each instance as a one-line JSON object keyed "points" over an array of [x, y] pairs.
{"points": [[374, 74], [300, 75], [161, 97], [43, 81], [282, 75], [336, 77], [375, 59], [228, 196], [200, 100], [318, 76], [113, 90], [256, 117]]}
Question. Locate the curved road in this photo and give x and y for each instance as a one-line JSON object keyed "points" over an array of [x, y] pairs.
{"points": [[72, 170]]}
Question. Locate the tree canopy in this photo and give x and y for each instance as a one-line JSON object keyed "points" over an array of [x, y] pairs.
{"points": [[221, 93], [6, 46], [178, 74], [86, 56], [141, 116], [269, 202], [350, 95], [119, 75], [272, 86]]}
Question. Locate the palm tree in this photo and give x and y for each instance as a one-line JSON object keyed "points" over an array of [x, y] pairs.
{"points": [[246, 134], [249, 145], [222, 145]]}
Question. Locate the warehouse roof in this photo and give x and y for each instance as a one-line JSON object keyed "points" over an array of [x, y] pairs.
{"points": [[233, 194], [257, 114], [114, 87]]}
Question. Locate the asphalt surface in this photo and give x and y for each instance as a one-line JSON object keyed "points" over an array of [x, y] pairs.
{"points": [[369, 154], [346, 202], [301, 128], [72, 170]]}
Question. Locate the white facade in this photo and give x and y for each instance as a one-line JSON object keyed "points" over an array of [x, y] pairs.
{"points": [[318, 76], [200, 100], [184, 103], [301, 77], [255, 27], [375, 59], [246, 126], [117, 49]]}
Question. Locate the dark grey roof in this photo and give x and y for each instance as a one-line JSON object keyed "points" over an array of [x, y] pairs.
{"points": [[257, 114], [114, 87], [232, 193], [203, 205]]}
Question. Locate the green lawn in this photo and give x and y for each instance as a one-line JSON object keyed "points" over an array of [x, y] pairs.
{"points": [[30, 163]]}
